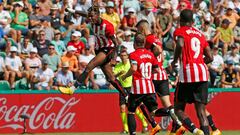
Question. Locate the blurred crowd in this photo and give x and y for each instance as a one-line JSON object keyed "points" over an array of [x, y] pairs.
{"points": [[48, 43]]}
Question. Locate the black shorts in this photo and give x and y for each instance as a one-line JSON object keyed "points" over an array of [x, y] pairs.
{"points": [[122, 99], [149, 101], [109, 51], [161, 87], [192, 92]]}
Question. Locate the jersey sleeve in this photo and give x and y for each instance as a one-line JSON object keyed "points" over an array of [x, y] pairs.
{"points": [[178, 33], [133, 60]]}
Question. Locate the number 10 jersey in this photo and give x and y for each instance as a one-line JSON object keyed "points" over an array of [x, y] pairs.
{"points": [[192, 66]]}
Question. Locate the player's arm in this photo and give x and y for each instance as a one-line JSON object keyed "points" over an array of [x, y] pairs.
{"points": [[208, 55], [178, 51], [114, 40], [132, 69], [156, 49]]}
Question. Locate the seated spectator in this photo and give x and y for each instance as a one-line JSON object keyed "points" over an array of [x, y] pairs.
{"points": [[208, 32], [224, 36], [237, 33], [231, 16], [27, 8], [234, 56], [4, 74], [64, 77], [230, 77], [72, 60], [46, 26], [127, 41], [45, 6], [32, 64], [100, 79], [35, 18], [129, 21], [53, 59], [43, 77], [76, 42], [41, 43], [56, 20], [14, 67], [111, 15], [20, 19], [60, 47], [216, 66], [25, 48], [84, 59]]}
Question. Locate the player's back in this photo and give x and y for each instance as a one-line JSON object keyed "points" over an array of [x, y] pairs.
{"points": [[145, 60], [192, 68]]}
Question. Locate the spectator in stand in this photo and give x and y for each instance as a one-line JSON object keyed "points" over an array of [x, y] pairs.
{"points": [[14, 67], [64, 77], [35, 21], [20, 20], [43, 77], [234, 56], [130, 20], [27, 8], [72, 60], [224, 36], [100, 79], [32, 64], [216, 66], [111, 15], [45, 6], [127, 41], [76, 43], [131, 4], [164, 23], [46, 26], [84, 59], [77, 20], [56, 20], [53, 59], [209, 32], [230, 77], [5, 20], [41, 43], [4, 74], [25, 48], [59, 44], [231, 16], [84, 4], [237, 33], [148, 15]]}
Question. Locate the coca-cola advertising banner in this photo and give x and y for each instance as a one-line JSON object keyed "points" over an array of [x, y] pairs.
{"points": [[91, 112]]}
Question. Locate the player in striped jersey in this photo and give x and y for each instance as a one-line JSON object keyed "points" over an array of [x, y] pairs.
{"points": [[143, 63], [191, 45], [160, 79], [106, 47]]}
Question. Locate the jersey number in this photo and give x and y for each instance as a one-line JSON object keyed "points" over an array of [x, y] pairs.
{"points": [[195, 45], [146, 69]]}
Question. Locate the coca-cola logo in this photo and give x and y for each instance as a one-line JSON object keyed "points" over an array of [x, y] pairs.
{"points": [[43, 115]]}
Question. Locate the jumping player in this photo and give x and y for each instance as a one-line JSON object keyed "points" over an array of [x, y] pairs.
{"points": [[191, 45], [105, 48], [143, 63], [160, 79]]}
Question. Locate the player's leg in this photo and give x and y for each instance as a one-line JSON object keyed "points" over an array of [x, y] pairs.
{"points": [[107, 70], [123, 110], [133, 103], [147, 115], [183, 94], [96, 61], [152, 106], [201, 114], [215, 130], [200, 94]]}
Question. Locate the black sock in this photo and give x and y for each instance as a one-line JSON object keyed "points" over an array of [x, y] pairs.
{"points": [[205, 129], [132, 124], [188, 124], [175, 127], [82, 77], [119, 87], [211, 123], [147, 116], [162, 112]]}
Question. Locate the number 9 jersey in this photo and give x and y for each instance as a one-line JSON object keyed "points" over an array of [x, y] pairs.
{"points": [[192, 66], [142, 78]]}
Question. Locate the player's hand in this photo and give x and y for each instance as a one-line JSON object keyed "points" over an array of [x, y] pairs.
{"points": [[123, 77]]}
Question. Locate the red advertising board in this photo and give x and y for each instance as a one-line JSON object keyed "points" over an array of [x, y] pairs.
{"points": [[91, 112]]}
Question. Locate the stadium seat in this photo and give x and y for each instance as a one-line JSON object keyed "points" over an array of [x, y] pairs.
{"points": [[4, 85]]}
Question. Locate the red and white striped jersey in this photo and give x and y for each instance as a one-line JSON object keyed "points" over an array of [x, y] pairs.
{"points": [[152, 40], [102, 34], [142, 78], [192, 66]]}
